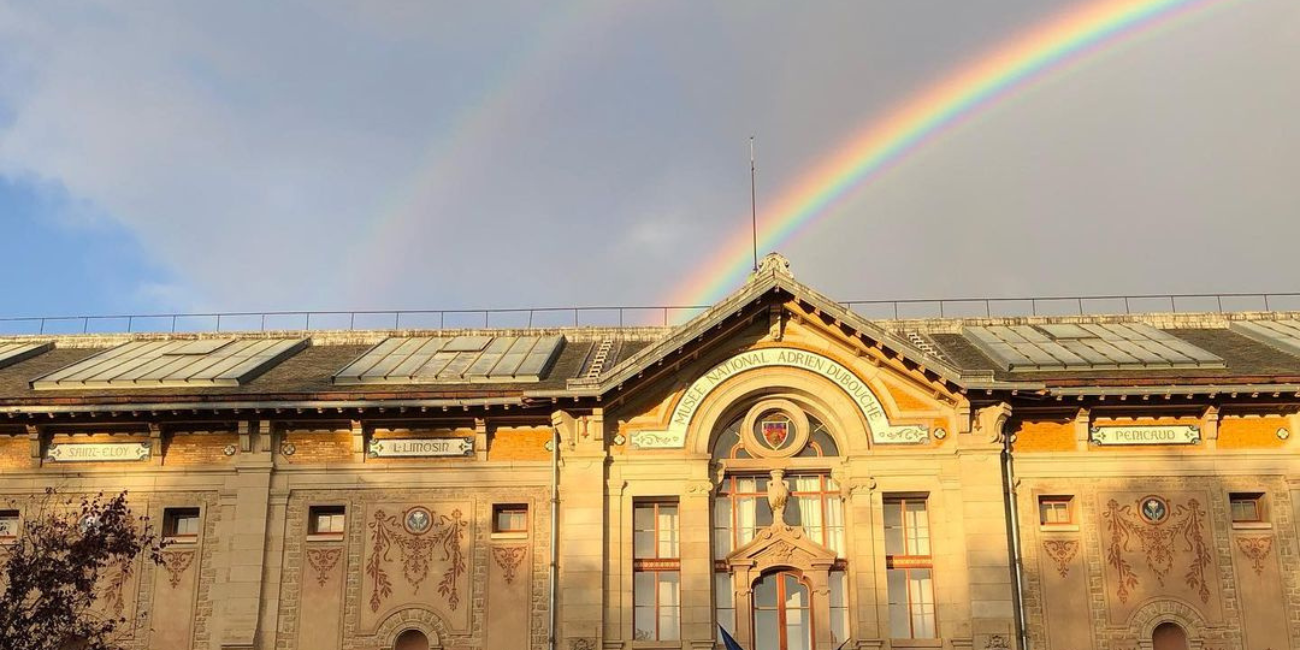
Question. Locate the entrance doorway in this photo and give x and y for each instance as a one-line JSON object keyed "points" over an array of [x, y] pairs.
{"points": [[1169, 636], [412, 640], [782, 613]]}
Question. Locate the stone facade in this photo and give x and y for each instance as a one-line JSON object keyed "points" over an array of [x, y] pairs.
{"points": [[774, 392]]}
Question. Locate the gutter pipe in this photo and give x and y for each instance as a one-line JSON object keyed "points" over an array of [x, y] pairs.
{"points": [[555, 531], [1013, 534]]}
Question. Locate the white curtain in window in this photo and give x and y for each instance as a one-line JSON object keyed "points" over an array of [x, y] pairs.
{"points": [[746, 515], [835, 524], [670, 607], [721, 527], [810, 506]]}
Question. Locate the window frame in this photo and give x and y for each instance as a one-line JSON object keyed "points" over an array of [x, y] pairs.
{"points": [[781, 595], [656, 565], [172, 518], [17, 517], [1055, 500], [501, 508], [1259, 499], [909, 562], [313, 518]]}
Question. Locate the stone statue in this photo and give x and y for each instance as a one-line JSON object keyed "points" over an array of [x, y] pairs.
{"points": [[777, 494]]}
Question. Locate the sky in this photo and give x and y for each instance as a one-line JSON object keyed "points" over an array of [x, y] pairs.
{"points": [[175, 156]]}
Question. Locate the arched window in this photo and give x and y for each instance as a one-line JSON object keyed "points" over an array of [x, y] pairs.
{"points": [[1169, 636], [730, 446], [775, 434], [412, 640]]}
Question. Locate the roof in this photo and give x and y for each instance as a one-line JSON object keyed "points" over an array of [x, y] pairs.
{"points": [[1170, 353]]}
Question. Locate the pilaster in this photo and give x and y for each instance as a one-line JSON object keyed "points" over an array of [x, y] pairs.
{"points": [[241, 558], [990, 576], [695, 526], [580, 612]]}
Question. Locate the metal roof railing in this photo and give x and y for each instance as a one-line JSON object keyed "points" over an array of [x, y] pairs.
{"points": [[625, 316]]}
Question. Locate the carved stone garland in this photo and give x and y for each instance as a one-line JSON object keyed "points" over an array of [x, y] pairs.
{"points": [[1157, 541], [445, 533]]}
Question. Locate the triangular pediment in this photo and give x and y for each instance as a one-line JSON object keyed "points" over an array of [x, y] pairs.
{"points": [[771, 286], [780, 545]]}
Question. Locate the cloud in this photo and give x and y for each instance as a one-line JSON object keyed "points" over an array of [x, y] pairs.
{"points": [[320, 155]]}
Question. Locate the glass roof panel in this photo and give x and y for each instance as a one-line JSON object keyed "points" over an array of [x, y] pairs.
{"points": [[153, 364], [1086, 346], [462, 359]]}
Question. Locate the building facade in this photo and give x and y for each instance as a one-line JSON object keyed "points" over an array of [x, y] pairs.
{"points": [[800, 476]]}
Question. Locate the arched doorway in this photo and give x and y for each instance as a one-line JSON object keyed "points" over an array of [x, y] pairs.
{"points": [[412, 640], [782, 613], [1169, 636]]}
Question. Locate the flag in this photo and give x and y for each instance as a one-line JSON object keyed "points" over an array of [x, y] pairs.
{"points": [[728, 641]]}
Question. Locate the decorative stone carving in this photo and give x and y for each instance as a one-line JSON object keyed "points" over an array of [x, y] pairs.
{"points": [[775, 263], [323, 561], [509, 558], [991, 421], [582, 644], [445, 533], [114, 592], [176, 563], [1156, 531], [863, 487], [777, 495], [1257, 549], [872, 410], [996, 642], [1061, 551]]}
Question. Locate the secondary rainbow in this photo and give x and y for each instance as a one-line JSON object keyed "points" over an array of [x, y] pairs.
{"points": [[1029, 55]]}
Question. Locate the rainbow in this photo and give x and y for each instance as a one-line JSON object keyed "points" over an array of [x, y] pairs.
{"points": [[882, 145]]}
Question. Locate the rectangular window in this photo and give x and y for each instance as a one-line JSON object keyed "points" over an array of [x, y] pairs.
{"points": [[742, 509], [1247, 507], [816, 505], [1055, 511], [909, 569], [8, 525], [326, 521], [656, 567], [839, 607], [181, 524], [739, 512], [724, 601], [510, 518]]}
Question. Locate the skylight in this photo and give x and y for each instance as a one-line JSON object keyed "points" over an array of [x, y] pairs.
{"points": [[154, 364], [1087, 346], [454, 359], [1281, 334], [11, 353]]}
